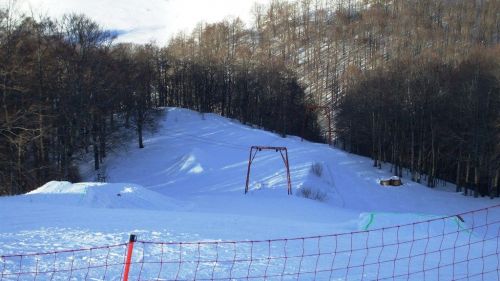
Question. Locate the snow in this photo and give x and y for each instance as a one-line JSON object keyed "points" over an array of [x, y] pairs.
{"points": [[144, 21], [188, 184], [99, 195]]}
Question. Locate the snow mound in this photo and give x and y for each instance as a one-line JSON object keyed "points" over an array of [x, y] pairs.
{"points": [[319, 185], [191, 163], [58, 187], [100, 195]]}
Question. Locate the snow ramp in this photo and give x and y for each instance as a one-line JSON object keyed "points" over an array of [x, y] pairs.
{"points": [[100, 195]]}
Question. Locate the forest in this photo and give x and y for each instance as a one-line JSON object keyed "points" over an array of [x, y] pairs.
{"points": [[414, 84]]}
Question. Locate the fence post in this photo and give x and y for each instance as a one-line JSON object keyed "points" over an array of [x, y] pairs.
{"points": [[128, 260]]}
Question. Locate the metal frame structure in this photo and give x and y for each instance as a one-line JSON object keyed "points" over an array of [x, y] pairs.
{"points": [[284, 155]]}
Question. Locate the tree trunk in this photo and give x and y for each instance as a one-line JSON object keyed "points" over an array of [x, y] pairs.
{"points": [[467, 172], [412, 155], [432, 173], [96, 154], [95, 144], [139, 133], [374, 150], [102, 140], [496, 187], [476, 181]]}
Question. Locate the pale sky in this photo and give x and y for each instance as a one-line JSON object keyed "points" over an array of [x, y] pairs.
{"points": [[146, 20]]}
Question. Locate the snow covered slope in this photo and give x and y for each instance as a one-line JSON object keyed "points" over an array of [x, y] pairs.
{"points": [[143, 21], [188, 184], [203, 158]]}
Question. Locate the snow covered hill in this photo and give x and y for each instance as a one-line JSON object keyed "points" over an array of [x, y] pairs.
{"points": [[203, 158], [143, 21], [188, 184]]}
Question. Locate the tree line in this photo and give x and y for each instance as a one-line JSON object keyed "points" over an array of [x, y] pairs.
{"points": [[215, 69], [68, 91], [431, 120], [428, 102], [412, 83]]}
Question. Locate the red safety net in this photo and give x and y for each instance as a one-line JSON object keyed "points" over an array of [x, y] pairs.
{"points": [[99, 263], [461, 247]]}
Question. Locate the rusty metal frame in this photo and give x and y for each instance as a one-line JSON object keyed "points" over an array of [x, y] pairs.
{"points": [[284, 155]]}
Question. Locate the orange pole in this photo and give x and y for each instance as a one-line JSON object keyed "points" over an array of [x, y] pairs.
{"points": [[130, 249]]}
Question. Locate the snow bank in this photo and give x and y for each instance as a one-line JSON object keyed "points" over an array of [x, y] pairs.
{"points": [[100, 195]]}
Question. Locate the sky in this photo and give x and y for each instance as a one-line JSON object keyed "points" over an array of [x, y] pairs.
{"points": [[143, 21]]}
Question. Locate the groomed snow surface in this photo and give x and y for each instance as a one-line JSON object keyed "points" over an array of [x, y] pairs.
{"points": [[187, 185]]}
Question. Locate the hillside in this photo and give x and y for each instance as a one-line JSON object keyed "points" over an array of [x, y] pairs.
{"points": [[202, 158], [186, 187], [188, 184]]}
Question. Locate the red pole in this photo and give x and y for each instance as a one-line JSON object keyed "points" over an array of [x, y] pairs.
{"points": [[130, 249]]}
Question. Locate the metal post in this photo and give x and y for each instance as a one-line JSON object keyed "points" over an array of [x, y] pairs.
{"points": [[288, 173], [248, 170]]}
